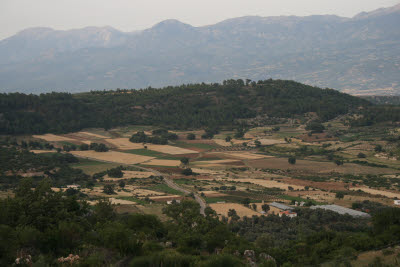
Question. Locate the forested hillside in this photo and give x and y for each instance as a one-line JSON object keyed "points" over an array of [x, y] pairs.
{"points": [[180, 107]]}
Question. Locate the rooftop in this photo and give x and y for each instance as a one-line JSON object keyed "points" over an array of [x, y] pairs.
{"points": [[342, 210]]}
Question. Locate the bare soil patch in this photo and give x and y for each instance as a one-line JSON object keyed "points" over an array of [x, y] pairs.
{"points": [[213, 194]]}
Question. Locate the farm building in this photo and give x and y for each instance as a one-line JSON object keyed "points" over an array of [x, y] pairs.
{"points": [[280, 206], [288, 213], [169, 202], [342, 210], [397, 202]]}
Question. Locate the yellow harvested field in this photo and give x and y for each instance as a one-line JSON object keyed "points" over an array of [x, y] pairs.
{"points": [[163, 162], [121, 201], [268, 183], [53, 138], [87, 142], [42, 151], [245, 155], [266, 142], [124, 143], [223, 208], [173, 150], [112, 156], [93, 135], [222, 142], [377, 192]]}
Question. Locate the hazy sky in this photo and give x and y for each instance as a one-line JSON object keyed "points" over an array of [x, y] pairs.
{"points": [[129, 15]]}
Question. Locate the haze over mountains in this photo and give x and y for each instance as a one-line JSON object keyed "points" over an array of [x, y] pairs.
{"points": [[359, 55]]}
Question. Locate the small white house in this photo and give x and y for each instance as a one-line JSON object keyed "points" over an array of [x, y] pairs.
{"points": [[288, 213], [397, 202]]}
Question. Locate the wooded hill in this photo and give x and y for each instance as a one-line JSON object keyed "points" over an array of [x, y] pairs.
{"points": [[179, 107]]}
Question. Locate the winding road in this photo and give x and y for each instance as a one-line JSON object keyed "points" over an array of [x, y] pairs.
{"points": [[173, 185], [167, 180]]}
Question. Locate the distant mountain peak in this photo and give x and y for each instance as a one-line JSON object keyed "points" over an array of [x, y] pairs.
{"points": [[35, 30], [378, 12], [171, 24]]}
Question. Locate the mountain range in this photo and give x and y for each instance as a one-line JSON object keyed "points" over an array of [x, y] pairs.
{"points": [[359, 55]]}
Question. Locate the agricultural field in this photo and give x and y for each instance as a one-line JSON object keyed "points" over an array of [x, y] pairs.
{"points": [[245, 175]]}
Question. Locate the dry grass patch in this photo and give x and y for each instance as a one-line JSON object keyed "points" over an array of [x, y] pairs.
{"points": [[267, 142], [163, 162], [112, 156], [41, 151], [53, 138], [93, 135], [223, 208], [172, 150], [269, 183], [222, 142], [124, 143], [244, 155], [317, 166], [121, 201], [377, 192]]}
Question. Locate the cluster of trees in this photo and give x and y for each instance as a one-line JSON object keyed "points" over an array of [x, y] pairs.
{"points": [[16, 162], [377, 114], [157, 138], [179, 107], [41, 227], [318, 236]]}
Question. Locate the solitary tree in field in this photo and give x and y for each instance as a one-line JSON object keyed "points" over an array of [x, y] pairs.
{"points": [[191, 136], [187, 171], [292, 160], [340, 195], [108, 189], [265, 208], [185, 160]]}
